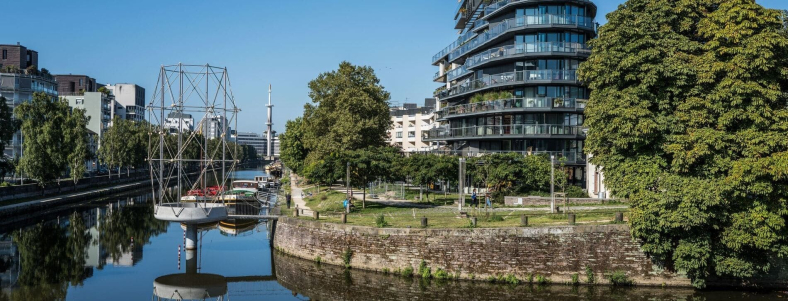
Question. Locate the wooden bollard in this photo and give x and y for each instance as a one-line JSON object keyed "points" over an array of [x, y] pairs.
{"points": [[344, 218], [295, 212], [571, 218], [524, 220], [619, 217], [473, 221], [424, 222], [316, 215]]}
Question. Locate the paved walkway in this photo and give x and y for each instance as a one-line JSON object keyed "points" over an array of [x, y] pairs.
{"points": [[295, 192], [68, 195]]}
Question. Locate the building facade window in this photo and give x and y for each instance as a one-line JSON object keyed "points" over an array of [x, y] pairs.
{"points": [[411, 134], [5, 54], [399, 134], [80, 82], [80, 101]]}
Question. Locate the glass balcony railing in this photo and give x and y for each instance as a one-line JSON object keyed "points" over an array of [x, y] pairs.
{"points": [[497, 131], [459, 41], [570, 157], [512, 104], [509, 78], [489, 9], [524, 21], [520, 49], [458, 72]]}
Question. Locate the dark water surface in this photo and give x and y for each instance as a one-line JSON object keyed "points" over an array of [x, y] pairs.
{"points": [[122, 250]]}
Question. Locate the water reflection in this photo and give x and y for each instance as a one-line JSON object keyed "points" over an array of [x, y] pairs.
{"points": [[41, 261]]}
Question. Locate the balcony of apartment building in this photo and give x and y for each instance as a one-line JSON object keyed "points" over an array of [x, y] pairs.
{"points": [[566, 156], [24, 81], [507, 79], [481, 132], [501, 7], [513, 105]]}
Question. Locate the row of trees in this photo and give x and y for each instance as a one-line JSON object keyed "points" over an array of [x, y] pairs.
{"points": [[688, 114]]}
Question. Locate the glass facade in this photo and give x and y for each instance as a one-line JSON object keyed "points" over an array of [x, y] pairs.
{"points": [[513, 86]]}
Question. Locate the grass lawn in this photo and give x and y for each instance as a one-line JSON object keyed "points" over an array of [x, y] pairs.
{"points": [[329, 204]]}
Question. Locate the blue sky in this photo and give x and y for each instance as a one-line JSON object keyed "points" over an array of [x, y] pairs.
{"points": [[284, 43]]}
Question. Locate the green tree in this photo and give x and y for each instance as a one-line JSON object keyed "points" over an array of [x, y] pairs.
{"points": [[292, 151], [350, 112], [45, 146], [125, 144], [367, 165], [76, 137], [688, 116]]}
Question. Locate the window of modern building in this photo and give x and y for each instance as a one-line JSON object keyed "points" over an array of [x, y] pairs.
{"points": [[5, 54], [80, 101], [411, 134], [399, 134]]}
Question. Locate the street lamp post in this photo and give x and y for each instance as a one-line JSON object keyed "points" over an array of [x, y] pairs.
{"points": [[552, 184], [347, 181]]}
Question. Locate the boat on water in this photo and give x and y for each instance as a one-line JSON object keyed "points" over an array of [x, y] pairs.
{"points": [[236, 227], [201, 195]]}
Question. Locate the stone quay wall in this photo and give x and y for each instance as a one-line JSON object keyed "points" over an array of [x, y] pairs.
{"points": [[555, 252]]}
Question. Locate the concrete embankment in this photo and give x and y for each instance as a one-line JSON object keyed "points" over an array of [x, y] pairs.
{"points": [[556, 252]]}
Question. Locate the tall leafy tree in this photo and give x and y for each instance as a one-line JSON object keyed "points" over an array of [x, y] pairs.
{"points": [[689, 117], [350, 111], [292, 149], [75, 133], [45, 146], [8, 126], [367, 165]]}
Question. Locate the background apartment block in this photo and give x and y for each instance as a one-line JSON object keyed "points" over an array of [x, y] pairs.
{"points": [[408, 123], [18, 83], [100, 108], [213, 126], [132, 98], [255, 140], [75, 84], [176, 122]]}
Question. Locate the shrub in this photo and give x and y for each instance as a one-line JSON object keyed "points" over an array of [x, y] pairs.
{"points": [[590, 279], [441, 274], [385, 271], [346, 257], [575, 279], [529, 277], [619, 278], [511, 279], [542, 279], [318, 259], [424, 270], [494, 218], [491, 279], [380, 221], [407, 272]]}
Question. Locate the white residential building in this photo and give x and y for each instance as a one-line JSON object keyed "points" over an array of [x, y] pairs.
{"points": [[176, 122], [257, 141], [214, 126], [132, 98], [408, 123]]}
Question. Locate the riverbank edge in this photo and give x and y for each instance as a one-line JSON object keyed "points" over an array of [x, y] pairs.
{"points": [[554, 252]]}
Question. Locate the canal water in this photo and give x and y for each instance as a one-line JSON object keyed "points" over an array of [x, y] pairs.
{"points": [[113, 249]]}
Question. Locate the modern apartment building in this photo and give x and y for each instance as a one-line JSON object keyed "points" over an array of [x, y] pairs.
{"points": [[255, 140], [176, 122], [68, 84], [213, 126], [409, 121], [17, 57], [99, 107], [18, 82], [132, 98], [510, 81]]}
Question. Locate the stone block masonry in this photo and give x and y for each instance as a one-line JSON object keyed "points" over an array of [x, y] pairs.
{"points": [[554, 252]]}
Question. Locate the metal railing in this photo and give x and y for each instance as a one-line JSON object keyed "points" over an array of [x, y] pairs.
{"points": [[518, 130], [458, 72], [489, 9], [502, 27], [509, 78], [457, 43], [515, 50], [512, 104]]}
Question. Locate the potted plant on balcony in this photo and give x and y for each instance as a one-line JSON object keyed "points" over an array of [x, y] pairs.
{"points": [[558, 102]]}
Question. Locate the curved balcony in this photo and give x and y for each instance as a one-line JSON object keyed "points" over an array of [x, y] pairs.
{"points": [[458, 72], [457, 43], [505, 131], [539, 21], [512, 105], [511, 78], [438, 77], [529, 49], [495, 8]]}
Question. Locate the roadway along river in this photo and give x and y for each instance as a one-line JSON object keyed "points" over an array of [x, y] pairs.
{"points": [[113, 249]]}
